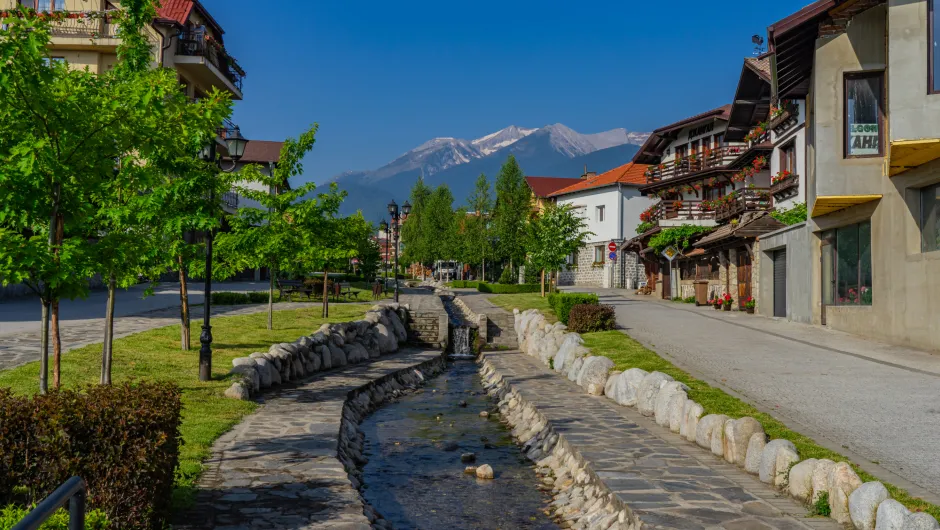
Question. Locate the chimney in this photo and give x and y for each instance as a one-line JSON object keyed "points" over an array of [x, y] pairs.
{"points": [[588, 174]]}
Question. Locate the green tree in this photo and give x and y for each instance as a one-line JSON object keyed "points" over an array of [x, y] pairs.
{"points": [[338, 240], [513, 207], [417, 247], [270, 236], [438, 225], [553, 236], [477, 237]]}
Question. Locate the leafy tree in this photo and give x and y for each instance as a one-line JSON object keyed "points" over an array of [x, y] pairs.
{"points": [[339, 240], [792, 216], [679, 236], [513, 207], [438, 224], [553, 236], [270, 236], [477, 236], [414, 238]]}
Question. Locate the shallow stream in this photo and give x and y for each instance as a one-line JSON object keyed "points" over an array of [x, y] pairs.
{"points": [[415, 477]]}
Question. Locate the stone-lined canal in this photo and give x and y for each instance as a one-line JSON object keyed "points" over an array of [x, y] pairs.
{"points": [[415, 477]]}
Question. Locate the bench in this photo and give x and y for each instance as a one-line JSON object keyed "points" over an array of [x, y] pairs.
{"points": [[289, 287], [343, 289]]}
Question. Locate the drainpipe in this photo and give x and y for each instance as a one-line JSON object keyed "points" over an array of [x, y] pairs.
{"points": [[619, 232]]}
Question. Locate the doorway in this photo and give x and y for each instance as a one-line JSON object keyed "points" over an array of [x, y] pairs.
{"points": [[667, 280], [744, 277], [828, 277], [780, 283]]}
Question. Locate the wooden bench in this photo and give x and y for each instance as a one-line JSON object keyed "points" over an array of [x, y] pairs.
{"points": [[343, 289], [289, 287]]}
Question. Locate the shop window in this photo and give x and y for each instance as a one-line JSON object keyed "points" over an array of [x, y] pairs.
{"points": [[930, 218], [864, 119], [852, 264], [933, 52]]}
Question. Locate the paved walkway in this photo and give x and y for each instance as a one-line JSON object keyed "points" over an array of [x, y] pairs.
{"points": [[279, 468], [667, 481], [21, 347], [876, 403]]}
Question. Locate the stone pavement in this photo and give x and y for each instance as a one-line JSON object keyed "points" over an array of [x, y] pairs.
{"points": [[875, 403], [667, 481], [21, 347], [279, 468]]}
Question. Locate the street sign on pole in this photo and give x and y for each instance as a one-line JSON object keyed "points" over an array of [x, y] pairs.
{"points": [[612, 256], [670, 253], [612, 246]]}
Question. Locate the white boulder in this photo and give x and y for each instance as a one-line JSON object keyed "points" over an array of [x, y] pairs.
{"points": [[737, 435], [693, 412], [801, 479], [891, 515], [705, 428], [842, 481], [864, 502], [648, 390], [775, 461]]}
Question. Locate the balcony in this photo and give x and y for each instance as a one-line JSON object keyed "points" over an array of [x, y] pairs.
{"points": [[84, 29], [784, 187], [684, 210], [718, 158], [230, 201], [208, 63], [738, 202], [784, 118]]}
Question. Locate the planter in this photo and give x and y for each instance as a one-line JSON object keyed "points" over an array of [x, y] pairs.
{"points": [[750, 310], [717, 307], [727, 307]]}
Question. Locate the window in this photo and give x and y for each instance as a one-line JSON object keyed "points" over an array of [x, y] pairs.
{"points": [[693, 147], [44, 5], [852, 264], [863, 114], [788, 158], [681, 151], [718, 139], [599, 254], [933, 52], [599, 214], [930, 218]]}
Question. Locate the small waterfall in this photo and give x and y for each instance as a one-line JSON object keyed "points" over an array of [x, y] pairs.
{"points": [[462, 332], [461, 342]]}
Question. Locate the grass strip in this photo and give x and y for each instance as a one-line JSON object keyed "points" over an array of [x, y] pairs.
{"points": [[156, 355]]}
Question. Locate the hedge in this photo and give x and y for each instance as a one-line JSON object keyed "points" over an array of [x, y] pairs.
{"points": [[254, 297], [499, 288], [123, 440], [10, 515], [465, 284], [587, 318], [562, 303]]}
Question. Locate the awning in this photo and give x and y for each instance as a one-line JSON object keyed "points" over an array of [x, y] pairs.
{"points": [[825, 205], [908, 154]]}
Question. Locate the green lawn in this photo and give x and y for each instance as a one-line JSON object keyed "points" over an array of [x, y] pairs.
{"points": [[628, 353], [155, 354]]}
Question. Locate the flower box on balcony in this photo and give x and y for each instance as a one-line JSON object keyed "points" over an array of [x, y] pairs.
{"points": [[782, 183]]}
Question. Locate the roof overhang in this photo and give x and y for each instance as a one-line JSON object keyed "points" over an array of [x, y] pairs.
{"points": [[828, 204], [908, 154], [793, 42], [751, 103], [655, 145]]}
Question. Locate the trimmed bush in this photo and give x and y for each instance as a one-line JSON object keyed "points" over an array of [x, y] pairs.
{"points": [[586, 318], [10, 515], [259, 297], [227, 298], [465, 284], [532, 274], [562, 303], [498, 288], [123, 440]]}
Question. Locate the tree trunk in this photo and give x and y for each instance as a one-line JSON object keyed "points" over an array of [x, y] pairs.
{"points": [[185, 334], [108, 334], [326, 292], [271, 299], [44, 350], [543, 283], [54, 320]]}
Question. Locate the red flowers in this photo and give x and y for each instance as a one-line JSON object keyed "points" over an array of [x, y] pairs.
{"points": [[780, 176]]}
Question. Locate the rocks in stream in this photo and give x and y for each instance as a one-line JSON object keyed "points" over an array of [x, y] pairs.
{"points": [[485, 472], [466, 458], [484, 414], [462, 404]]}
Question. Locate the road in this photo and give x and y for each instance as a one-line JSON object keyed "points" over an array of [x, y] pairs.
{"points": [[877, 404]]}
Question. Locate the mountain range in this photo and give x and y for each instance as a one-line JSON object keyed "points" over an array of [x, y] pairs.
{"points": [[554, 150]]}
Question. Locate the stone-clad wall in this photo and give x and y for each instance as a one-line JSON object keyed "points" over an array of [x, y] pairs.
{"points": [[380, 332], [585, 273], [740, 441]]}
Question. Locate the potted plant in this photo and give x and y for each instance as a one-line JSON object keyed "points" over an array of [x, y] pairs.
{"points": [[726, 302], [750, 304], [716, 303]]}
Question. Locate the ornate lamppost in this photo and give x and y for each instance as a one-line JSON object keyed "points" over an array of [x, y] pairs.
{"points": [[383, 229], [235, 144], [397, 219]]}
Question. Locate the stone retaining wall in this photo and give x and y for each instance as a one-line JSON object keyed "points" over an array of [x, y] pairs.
{"points": [[581, 499], [740, 441], [380, 332]]}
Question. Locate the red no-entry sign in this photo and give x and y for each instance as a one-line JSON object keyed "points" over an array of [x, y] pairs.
{"points": [[612, 246]]}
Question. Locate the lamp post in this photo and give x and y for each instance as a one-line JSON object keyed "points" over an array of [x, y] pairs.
{"points": [[397, 219], [383, 229], [235, 144]]}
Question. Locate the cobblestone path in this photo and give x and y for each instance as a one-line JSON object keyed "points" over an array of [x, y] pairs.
{"points": [[279, 468], [667, 481]]}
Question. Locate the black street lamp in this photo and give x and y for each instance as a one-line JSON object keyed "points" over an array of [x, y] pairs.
{"points": [[383, 229], [397, 219], [235, 144]]}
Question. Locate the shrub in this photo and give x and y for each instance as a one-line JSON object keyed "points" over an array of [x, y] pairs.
{"points": [[508, 276], [585, 318], [689, 299], [227, 298], [532, 274], [821, 506], [10, 515], [259, 297], [562, 303], [465, 284], [123, 440], [498, 288]]}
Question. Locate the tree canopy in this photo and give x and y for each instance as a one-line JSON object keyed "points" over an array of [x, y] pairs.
{"points": [[513, 207]]}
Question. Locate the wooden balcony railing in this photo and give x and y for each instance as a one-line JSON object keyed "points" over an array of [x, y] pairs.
{"points": [[741, 201], [785, 185], [196, 43], [85, 24], [714, 158], [685, 209]]}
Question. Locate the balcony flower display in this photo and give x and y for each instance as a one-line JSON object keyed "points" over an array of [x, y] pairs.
{"points": [[760, 163], [672, 191], [697, 186], [647, 214], [688, 189], [712, 182], [740, 176], [707, 152], [759, 130], [677, 205], [780, 176]]}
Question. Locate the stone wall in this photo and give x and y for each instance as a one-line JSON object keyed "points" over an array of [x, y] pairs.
{"points": [[585, 272], [739, 441]]}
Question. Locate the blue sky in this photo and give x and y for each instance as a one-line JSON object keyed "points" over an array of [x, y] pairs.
{"points": [[382, 77]]}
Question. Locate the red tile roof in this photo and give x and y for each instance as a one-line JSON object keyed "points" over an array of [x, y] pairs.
{"points": [[761, 65], [629, 173], [262, 151], [545, 186], [175, 10]]}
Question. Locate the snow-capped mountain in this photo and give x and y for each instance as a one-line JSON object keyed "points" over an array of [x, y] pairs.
{"points": [[553, 150]]}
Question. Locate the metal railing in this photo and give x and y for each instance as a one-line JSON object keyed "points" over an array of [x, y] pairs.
{"points": [[87, 24], [784, 184], [198, 44], [681, 209], [230, 199], [711, 158], [72, 492]]}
